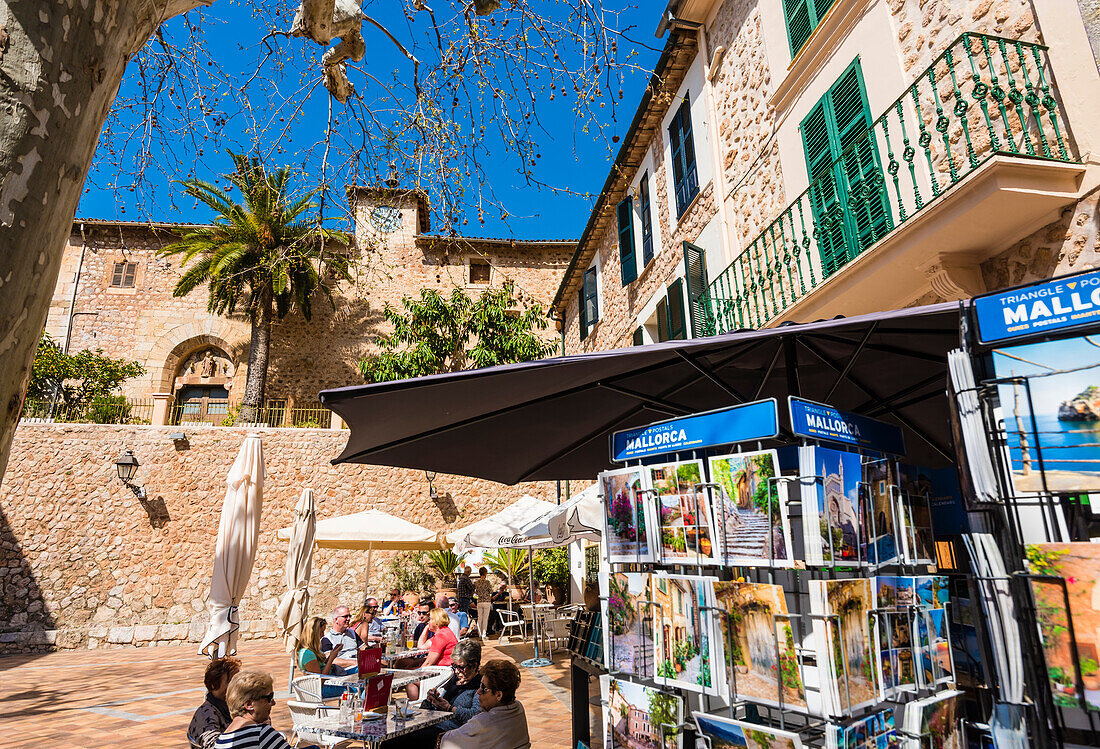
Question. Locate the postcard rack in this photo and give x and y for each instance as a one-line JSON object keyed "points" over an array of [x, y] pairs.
{"points": [[1022, 491], [902, 507]]}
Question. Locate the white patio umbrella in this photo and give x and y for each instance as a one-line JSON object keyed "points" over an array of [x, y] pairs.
{"points": [[299, 564], [505, 530], [370, 531], [579, 517], [235, 553]]}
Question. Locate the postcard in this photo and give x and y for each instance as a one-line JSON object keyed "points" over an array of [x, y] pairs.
{"points": [[848, 679], [628, 638], [754, 634], [687, 648], [832, 523], [724, 733], [751, 513], [934, 721], [1079, 565], [640, 716], [1055, 414], [682, 512], [880, 516], [628, 524]]}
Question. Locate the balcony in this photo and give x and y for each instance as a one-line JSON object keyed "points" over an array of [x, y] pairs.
{"points": [[972, 157]]}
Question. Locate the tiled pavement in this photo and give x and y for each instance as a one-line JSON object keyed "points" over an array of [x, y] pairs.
{"points": [[145, 696]]}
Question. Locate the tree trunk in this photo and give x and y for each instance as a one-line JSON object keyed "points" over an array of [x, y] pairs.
{"points": [[61, 63], [258, 350]]}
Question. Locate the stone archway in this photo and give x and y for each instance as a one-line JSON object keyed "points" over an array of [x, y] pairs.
{"points": [[168, 353]]}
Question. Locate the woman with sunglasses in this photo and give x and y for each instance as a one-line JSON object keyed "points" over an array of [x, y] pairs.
{"points": [[250, 697], [458, 695], [501, 724]]}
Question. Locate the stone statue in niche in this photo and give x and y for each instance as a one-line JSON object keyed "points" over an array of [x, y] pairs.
{"points": [[208, 368], [205, 365]]}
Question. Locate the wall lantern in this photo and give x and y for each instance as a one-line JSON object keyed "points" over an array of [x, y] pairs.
{"points": [[127, 466], [430, 475]]}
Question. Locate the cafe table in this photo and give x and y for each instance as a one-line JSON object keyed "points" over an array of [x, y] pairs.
{"points": [[373, 732], [401, 678]]}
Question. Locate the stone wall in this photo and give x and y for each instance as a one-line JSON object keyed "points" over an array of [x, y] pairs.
{"points": [[83, 563]]}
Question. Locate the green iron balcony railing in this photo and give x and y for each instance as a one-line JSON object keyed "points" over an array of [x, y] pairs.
{"points": [[983, 96]]}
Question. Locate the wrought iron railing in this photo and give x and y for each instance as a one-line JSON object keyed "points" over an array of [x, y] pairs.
{"points": [[275, 413], [110, 410], [983, 96]]}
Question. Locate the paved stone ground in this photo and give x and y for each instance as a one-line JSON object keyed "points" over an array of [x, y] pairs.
{"points": [[146, 696]]}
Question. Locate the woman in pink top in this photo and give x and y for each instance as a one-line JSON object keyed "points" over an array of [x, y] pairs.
{"points": [[439, 647]]}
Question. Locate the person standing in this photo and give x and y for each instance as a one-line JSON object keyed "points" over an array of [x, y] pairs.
{"points": [[483, 589], [464, 590]]}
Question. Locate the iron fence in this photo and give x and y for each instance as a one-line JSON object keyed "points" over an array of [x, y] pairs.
{"points": [[111, 410], [983, 96]]}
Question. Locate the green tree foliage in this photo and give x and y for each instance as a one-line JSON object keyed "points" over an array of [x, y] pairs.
{"points": [[435, 334], [552, 566], [662, 709], [260, 258], [85, 384], [409, 570]]}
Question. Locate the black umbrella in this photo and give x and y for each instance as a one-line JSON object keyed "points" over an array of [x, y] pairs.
{"points": [[551, 419]]}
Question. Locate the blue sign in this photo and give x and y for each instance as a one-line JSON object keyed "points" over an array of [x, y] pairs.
{"points": [[750, 421], [821, 422], [1040, 308]]}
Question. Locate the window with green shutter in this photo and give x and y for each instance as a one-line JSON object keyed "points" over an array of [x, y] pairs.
{"points": [[589, 302], [803, 16], [638, 340], [677, 321], [647, 220], [626, 241], [695, 272], [685, 176], [662, 319], [847, 192]]}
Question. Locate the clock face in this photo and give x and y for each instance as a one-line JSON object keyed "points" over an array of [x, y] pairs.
{"points": [[386, 218]]}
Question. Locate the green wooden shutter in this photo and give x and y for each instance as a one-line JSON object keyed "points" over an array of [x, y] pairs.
{"points": [[647, 220], [583, 317], [638, 340], [695, 271], [802, 18], [868, 212], [591, 298], [685, 175], [677, 323], [847, 192], [626, 241], [662, 319]]}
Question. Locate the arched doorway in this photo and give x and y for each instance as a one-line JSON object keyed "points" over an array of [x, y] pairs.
{"points": [[201, 387]]}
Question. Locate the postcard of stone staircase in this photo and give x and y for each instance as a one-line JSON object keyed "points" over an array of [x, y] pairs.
{"points": [[640, 717], [1079, 565], [682, 509], [686, 641], [831, 523], [914, 514], [630, 529], [628, 634], [758, 646], [725, 733], [750, 510]]}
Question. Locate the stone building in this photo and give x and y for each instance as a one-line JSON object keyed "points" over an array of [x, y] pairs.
{"points": [[85, 563], [799, 160]]}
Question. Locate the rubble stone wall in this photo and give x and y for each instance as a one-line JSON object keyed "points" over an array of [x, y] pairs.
{"points": [[85, 564]]}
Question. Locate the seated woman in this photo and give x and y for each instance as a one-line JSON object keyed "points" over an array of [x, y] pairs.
{"points": [[213, 715], [458, 695], [311, 658], [250, 697], [439, 647], [502, 723]]}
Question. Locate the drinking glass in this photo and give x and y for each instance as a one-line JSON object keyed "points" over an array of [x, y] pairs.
{"points": [[402, 705]]}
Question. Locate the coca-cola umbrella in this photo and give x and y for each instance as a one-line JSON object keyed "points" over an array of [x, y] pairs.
{"points": [[505, 530]]}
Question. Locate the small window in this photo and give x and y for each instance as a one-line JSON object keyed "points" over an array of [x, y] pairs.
{"points": [[647, 220], [685, 176], [802, 18], [480, 272], [639, 340], [677, 323], [589, 302], [626, 241], [123, 275]]}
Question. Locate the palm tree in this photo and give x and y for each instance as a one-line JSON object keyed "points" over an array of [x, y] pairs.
{"points": [[261, 259], [511, 563]]}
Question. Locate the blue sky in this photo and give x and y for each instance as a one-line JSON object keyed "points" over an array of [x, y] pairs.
{"points": [[572, 154]]}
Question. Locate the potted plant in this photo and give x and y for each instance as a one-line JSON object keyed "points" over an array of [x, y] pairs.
{"points": [[552, 571], [511, 564], [444, 562]]}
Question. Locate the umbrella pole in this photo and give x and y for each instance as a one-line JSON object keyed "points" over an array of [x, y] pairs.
{"points": [[536, 661], [366, 585]]}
